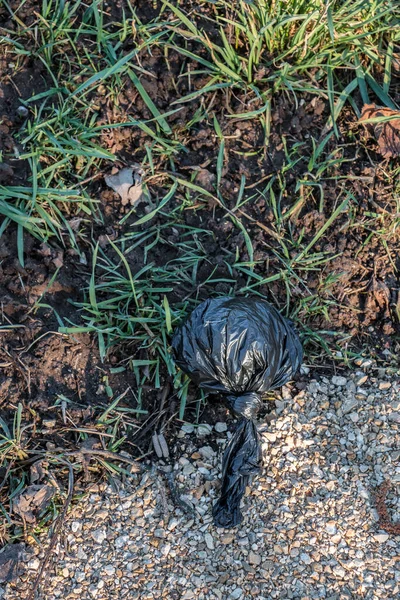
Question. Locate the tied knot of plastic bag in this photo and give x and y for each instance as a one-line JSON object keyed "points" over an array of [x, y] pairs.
{"points": [[246, 405]]}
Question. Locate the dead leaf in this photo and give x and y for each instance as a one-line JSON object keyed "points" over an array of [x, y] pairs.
{"points": [[387, 132], [378, 295], [44, 250], [58, 260], [105, 239], [75, 223], [10, 559], [91, 443], [32, 501], [37, 472], [205, 179], [128, 184]]}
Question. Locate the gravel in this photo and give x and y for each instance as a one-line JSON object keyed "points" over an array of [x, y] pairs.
{"points": [[310, 528]]}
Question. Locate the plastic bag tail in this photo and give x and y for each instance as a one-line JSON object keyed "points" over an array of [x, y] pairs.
{"points": [[240, 463]]}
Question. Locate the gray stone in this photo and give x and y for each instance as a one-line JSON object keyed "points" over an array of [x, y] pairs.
{"points": [[187, 428], [159, 533], [121, 541], [254, 559], [93, 590], [207, 452], [236, 594], [34, 564], [305, 558], [203, 429], [99, 535], [76, 526], [394, 416], [220, 427], [339, 570], [348, 405], [173, 523], [188, 469]]}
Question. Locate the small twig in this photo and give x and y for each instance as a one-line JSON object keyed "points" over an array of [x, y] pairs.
{"points": [[107, 454], [270, 231], [36, 340], [176, 497], [385, 522], [57, 528], [92, 178], [164, 396], [253, 185], [138, 468]]}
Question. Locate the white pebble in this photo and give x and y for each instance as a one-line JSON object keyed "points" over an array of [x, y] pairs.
{"points": [[381, 538], [99, 535], [209, 541], [34, 564], [330, 527]]}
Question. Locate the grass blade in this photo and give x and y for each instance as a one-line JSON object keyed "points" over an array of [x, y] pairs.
{"points": [[167, 310], [321, 232], [149, 102], [383, 97], [20, 244]]}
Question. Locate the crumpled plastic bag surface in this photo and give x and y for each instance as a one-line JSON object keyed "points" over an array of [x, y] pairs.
{"points": [[239, 347]]}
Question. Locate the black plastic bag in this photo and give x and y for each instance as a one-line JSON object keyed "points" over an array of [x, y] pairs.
{"points": [[240, 347]]}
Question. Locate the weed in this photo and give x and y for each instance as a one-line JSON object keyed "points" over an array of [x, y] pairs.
{"points": [[294, 46]]}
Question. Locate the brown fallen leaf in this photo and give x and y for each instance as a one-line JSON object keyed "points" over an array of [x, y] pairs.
{"points": [[10, 559], [75, 223], [128, 184], [386, 131], [32, 501], [37, 472], [378, 295]]}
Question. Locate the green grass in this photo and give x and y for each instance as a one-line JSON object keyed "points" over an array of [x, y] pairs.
{"points": [[342, 52], [294, 46], [132, 307]]}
